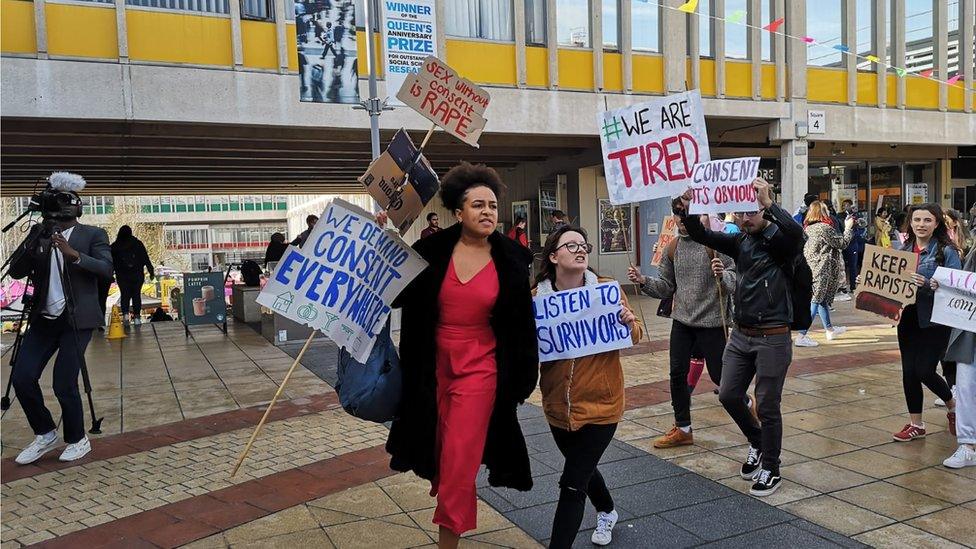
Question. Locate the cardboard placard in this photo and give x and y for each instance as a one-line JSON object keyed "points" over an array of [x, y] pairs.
{"points": [[668, 234], [724, 186], [343, 280], [384, 181], [580, 322], [955, 300], [442, 96], [886, 282], [650, 149]]}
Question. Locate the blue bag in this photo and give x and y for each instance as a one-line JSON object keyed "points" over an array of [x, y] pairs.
{"points": [[371, 391]]}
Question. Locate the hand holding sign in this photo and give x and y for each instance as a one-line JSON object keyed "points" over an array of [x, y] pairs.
{"points": [[725, 185], [887, 282]]}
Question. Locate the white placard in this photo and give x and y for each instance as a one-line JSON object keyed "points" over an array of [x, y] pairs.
{"points": [[817, 122], [409, 36], [724, 186], [955, 300], [650, 149], [580, 322], [344, 278]]}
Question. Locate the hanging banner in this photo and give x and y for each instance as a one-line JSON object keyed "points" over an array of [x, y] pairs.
{"points": [[580, 322], [724, 186], [886, 282], [384, 181], [449, 101], [328, 71], [650, 149], [410, 35], [343, 280], [955, 300], [615, 223]]}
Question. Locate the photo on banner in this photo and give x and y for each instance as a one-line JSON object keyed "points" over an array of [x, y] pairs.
{"points": [[203, 298], [615, 222], [580, 322], [650, 149], [724, 186], [328, 69], [409, 36], [886, 282], [955, 300]]}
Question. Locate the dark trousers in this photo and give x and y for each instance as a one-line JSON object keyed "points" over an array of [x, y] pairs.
{"points": [[949, 372], [131, 291], [42, 339], [580, 479], [686, 342], [767, 359], [921, 349], [853, 257]]}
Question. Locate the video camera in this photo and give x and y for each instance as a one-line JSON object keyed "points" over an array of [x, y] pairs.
{"points": [[59, 200]]}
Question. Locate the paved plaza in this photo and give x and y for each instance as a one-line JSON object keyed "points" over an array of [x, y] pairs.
{"points": [[178, 411]]}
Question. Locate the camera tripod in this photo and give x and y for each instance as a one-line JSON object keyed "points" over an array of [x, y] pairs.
{"points": [[69, 310]]}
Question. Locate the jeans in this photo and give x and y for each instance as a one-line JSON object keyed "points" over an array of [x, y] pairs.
{"points": [[582, 449], [131, 291], [709, 344], [42, 339], [966, 404], [823, 311], [921, 349], [767, 359]]}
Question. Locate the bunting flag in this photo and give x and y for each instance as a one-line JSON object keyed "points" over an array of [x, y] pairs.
{"points": [[952, 81], [736, 16], [808, 40], [900, 72], [842, 48], [772, 26], [691, 6], [927, 73], [872, 58]]}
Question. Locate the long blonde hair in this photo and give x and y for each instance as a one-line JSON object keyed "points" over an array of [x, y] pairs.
{"points": [[816, 213]]}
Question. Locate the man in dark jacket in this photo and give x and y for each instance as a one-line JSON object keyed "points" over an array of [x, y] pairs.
{"points": [[760, 344], [66, 261]]}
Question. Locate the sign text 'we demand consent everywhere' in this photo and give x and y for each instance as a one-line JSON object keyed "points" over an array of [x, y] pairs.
{"points": [[650, 149], [579, 322]]}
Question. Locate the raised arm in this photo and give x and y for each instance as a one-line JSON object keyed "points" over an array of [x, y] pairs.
{"points": [[727, 244]]}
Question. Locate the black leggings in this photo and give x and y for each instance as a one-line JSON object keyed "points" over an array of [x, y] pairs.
{"points": [[686, 342], [921, 349], [131, 291], [949, 372], [580, 479]]}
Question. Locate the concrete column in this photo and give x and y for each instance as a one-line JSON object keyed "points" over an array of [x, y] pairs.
{"points": [[440, 16], [849, 38], [940, 36], [596, 42], [281, 35], [673, 36], [754, 17], [779, 50], [796, 51], [40, 28], [878, 41], [718, 45], [793, 170], [627, 44], [122, 31], [552, 44], [520, 75], [898, 47], [236, 41], [694, 47], [968, 15]]}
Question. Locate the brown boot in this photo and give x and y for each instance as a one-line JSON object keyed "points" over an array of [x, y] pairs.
{"points": [[674, 437]]}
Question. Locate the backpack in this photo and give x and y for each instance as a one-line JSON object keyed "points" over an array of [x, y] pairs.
{"points": [[801, 291], [251, 273], [371, 390]]}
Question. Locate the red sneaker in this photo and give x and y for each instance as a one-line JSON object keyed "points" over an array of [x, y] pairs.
{"points": [[909, 432], [951, 416]]}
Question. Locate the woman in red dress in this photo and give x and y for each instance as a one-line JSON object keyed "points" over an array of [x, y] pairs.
{"points": [[469, 356]]}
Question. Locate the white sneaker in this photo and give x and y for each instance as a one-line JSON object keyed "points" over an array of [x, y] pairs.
{"points": [[964, 457], [604, 528], [42, 444], [834, 332], [77, 450], [805, 341], [842, 297]]}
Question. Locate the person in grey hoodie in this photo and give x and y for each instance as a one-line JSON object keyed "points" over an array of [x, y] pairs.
{"points": [[700, 282], [962, 350]]}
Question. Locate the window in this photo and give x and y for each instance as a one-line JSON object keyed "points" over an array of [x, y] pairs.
{"points": [[261, 10], [865, 32], [766, 37], [919, 44], [573, 23], [535, 22], [736, 34], [611, 24], [704, 30], [487, 19], [646, 26], [205, 6], [825, 24]]}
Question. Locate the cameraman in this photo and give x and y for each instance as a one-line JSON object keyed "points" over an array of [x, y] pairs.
{"points": [[65, 260]]}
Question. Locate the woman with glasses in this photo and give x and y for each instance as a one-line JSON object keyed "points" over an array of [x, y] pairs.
{"points": [[583, 398]]}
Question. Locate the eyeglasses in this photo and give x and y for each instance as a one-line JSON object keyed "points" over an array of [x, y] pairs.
{"points": [[752, 214], [577, 247]]}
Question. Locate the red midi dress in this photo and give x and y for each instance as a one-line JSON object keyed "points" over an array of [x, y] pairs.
{"points": [[466, 381]]}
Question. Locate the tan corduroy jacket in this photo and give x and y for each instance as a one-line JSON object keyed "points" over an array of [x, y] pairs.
{"points": [[585, 390]]}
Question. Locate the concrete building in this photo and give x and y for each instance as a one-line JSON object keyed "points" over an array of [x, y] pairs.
{"points": [[191, 97]]}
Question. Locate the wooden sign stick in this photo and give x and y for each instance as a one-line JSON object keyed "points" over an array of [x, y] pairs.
{"points": [[618, 214]]}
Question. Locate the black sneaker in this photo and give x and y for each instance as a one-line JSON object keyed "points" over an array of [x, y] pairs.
{"points": [[766, 483], [751, 466]]}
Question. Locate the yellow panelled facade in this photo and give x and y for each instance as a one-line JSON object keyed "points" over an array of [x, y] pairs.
{"points": [[179, 38], [17, 27], [484, 62], [292, 35], [648, 73], [536, 67], [613, 72], [921, 92], [738, 79], [867, 88], [826, 85], [575, 69], [260, 44], [81, 31], [707, 78]]}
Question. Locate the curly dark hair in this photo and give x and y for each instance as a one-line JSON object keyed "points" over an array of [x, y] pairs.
{"points": [[461, 178]]}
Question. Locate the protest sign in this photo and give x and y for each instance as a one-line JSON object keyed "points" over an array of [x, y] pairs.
{"points": [[886, 282], [579, 322], [449, 101], [343, 280], [650, 149], [384, 180], [410, 35], [955, 300], [668, 234], [724, 186]]}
